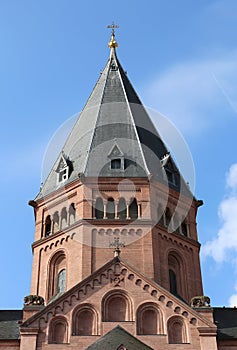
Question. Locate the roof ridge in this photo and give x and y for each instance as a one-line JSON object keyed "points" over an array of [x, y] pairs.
{"points": [[98, 112]]}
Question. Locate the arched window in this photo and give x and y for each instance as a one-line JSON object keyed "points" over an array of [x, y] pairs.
{"points": [[133, 209], [85, 321], [176, 274], [99, 209], [116, 308], [72, 214], [122, 209], [184, 228], [176, 331], [62, 281], [167, 217], [48, 226], [173, 282], [58, 331], [57, 274], [55, 222], [176, 223], [160, 216], [110, 209], [63, 218]]}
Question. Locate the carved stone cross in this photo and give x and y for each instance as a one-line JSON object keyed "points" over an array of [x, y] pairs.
{"points": [[117, 244]]}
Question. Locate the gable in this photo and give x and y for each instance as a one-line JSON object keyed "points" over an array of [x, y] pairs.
{"points": [[118, 339], [104, 295]]}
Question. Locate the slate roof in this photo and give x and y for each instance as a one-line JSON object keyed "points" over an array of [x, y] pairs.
{"points": [[113, 115], [225, 319], [118, 336], [9, 324]]}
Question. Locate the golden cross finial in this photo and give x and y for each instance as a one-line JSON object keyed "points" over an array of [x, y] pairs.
{"points": [[112, 42]]}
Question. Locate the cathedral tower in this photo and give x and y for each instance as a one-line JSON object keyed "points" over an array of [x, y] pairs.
{"points": [[115, 187]]}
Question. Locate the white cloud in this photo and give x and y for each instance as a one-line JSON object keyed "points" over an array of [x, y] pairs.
{"points": [[224, 246], [198, 90], [233, 299], [231, 180]]}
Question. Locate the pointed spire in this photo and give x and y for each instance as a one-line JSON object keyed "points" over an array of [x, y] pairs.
{"points": [[113, 43]]}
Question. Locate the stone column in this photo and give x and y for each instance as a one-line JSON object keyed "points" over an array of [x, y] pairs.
{"points": [[116, 210], [127, 212], [105, 211]]}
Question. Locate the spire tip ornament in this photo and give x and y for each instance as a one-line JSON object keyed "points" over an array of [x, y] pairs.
{"points": [[113, 43]]}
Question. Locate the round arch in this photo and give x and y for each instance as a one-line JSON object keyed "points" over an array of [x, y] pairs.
{"points": [[58, 330], [85, 320], [117, 307], [177, 330], [149, 319], [57, 263]]}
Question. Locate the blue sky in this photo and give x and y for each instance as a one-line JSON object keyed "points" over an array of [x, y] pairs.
{"points": [[181, 57]]}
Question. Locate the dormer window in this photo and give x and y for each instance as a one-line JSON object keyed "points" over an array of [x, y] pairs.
{"points": [[63, 175], [113, 65], [62, 169], [116, 163], [170, 177], [116, 158]]}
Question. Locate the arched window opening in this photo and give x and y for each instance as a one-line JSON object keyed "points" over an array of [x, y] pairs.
{"points": [[57, 275], [62, 281], [63, 218], [116, 308], [167, 217], [110, 209], [99, 209], [173, 282], [176, 222], [160, 216], [85, 322], [55, 222], [133, 209], [184, 229], [122, 209], [48, 226], [176, 331], [176, 275], [58, 332], [72, 214]]}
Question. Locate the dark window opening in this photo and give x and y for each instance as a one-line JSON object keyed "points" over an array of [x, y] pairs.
{"points": [[116, 163], [133, 209], [110, 209], [167, 217], [99, 209], [47, 226], [122, 209], [184, 229], [170, 177], [173, 282]]}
